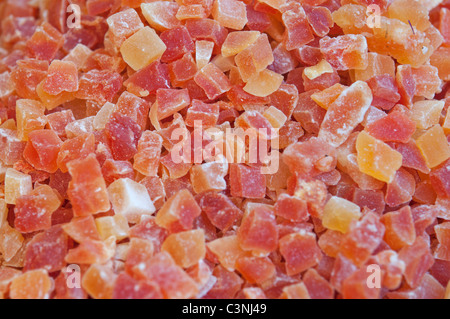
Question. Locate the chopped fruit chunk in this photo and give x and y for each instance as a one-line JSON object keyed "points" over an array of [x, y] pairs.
{"points": [[264, 83], [339, 213], [345, 52], [247, 181], [399, 226], [434, 146], [186, 248], [230, 13], [35, 284]]}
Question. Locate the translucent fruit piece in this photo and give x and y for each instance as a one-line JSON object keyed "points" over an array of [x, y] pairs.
{"points": [[179, 212], [264, 83], [27, 75], [127, 287], [345, 113], [345, 52], [124, 24], [440, 180], [62, 77], [212, 80], [142, 48], [59, 120], [173, 281], [291, 208], [258, 231], [355, 286], [384, 91], [78, 147], [35, 284], [87, 189], [227, 250], [100, 86], [376, 158], [92, 252], [246, 181], [298, 31], [161, 14], [33, 212], [170, 101], [186, 248], [17, 184], [255, 58], [429, 288], [130, 199], [418, 260], [400, 229], [45, 42], [82, 229], [401, 190], [47, 250], [443, 236], [238, 41], [206, 114], [395, 127], [123, 135], [426, 113], [427, 81], [377, 64], [11, 241], [326, 97], [98, 281], [219, 209], [434, 146], [146, 160], [440, 59], [339, 213], [29, 117], [230, 13], [362, 239], [182, 70], [300, 252], [413, 12], [227, 285], [318, 287], [134, 107], [178, 42], [255, 270], [209, 176], [147, 80], [330, 242], [115, 226], [412, 157], [295, 291], [203, 52]]}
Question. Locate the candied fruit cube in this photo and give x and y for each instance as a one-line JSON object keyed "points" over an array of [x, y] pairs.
{"points": [[256, 269], [186, 248], [317, 70], [98, 281], [205, 114], [318, 287], [178, 42], [355, 286], [11, 241], [142, 48], [147, 80], [17, 184], [401, 189], [219, 209], [326, 97], [384, 90], [440, 59], [346, 112], [146, 160], [426, 113], [345, 52], [78, 147], [203, 52], [264, 83], [406, 84], [62, 77], [87, 189], [246, 181], [99, 85], [130, 199], [45, 42], [427, 81], [258, 231], [116, 226], [170, 101], [29, 117], [395, 127], [362, 239], [33, 212], [298, 31], [161, 14], [443, 236], [291, 208], [339, 213], [127, 287], [34, 284], [400, 231], [238, 41], [123, 135], [124, 24], [377, 159], [434, 146], [82, 229], [227, 250], [230, 13], [418, 260], [212, 80], [178, 212], [255, 58], [27, 75], [42, 150], [209, 176], [300, 251], [134, 107]]}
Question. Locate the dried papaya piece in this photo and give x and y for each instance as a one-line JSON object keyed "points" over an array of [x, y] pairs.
{"points": [[34, 284]]}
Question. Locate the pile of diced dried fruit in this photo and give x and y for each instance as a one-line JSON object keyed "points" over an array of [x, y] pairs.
{"points": [[108, 108]]}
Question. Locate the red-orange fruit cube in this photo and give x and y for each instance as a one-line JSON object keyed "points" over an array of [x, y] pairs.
{"points": [[443, 236], [33, 212], [62, 77], [27, 75], [230, 13], [401, 189], [255, 269], [123, 24], [300, 252], [400, 229], [227, 285], [247, 181], [363, 238], [345, 52], [92, 252], [182, 70], [319, 18], [219, 209], [82, 229], [123, 135], [179, 212], [427, 81], [146, 160], [291, 208], [45, 42], [356, 287], [298, 31], [34, 284], [384, 90], [42, 150], [202, 113], [161, 14], [155, 189], [98, 281], [226, 251], [186, 248], [418, 260], [47, 250], [258, 231], [395, 127], [330, 242], [99, 85], [170, 101], [346, 113], [59, 120], [127, 287], [440, 179], [87, 189], [134, 107], [149, 79], [310, 158], [411, 156], [113, 170], [178, 42], [173, 281], [342, 269], [318, 287], [212, 80], [308, 113], [429, 288], [255, 58], [406, 84], [207, 29], [78, 147]]}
